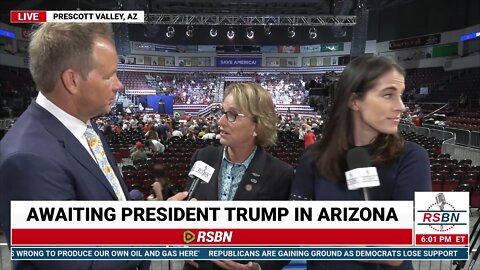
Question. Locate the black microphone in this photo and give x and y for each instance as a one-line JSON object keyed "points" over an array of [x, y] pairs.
{"points": [[202, 169], [361, 174]]}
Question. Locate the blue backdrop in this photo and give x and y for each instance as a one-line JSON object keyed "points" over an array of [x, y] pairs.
{"points": [[152, 102]]}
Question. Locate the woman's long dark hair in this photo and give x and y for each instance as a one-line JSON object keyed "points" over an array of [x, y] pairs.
{"points": [[358, 78]]}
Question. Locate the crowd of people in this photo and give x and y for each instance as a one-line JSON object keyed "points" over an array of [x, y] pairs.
{"points": [[286, 89], [188, 89], [200, 88]]}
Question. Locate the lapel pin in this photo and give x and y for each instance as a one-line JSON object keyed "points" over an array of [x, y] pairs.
{"points": [[253, 180], [255, 174], [248, 187]]}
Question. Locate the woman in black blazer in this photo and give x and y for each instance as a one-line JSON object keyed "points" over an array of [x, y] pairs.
{"points": [[243, 170]]}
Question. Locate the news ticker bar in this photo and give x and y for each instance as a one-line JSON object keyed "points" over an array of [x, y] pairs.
{"points": [[238, 253], [42, 16]]}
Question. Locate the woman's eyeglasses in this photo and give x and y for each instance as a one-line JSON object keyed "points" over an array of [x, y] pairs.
{"points": [[231, 116]]}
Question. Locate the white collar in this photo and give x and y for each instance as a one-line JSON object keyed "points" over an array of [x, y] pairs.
{"points": [[76, 126]]}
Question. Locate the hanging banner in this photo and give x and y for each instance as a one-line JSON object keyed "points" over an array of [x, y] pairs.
{"points": [[238, 62]]}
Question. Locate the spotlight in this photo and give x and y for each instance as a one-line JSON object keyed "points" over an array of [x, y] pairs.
{"points": [[313, 32], [189, 32], [291, 31], [230, 33], [268, 29], [170, 32], [250, 33], [213, 32], [360, 4]]}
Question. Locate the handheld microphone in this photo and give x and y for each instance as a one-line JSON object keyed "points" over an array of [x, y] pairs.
{"points": [[361, 174], [202, 169]]}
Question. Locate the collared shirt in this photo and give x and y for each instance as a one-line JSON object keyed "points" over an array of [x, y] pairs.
{"points": [[231, 175], [76, 126]]}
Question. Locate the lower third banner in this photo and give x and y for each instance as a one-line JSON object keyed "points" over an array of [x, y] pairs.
{"points": [[238, 253]]}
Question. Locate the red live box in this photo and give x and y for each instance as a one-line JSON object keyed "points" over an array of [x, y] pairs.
{"points": [[28, 16]]}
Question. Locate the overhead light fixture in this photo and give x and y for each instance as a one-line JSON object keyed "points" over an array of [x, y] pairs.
{"points": [[360, 4], [230, 33], [250, 33], [170, 32], [291, 31], [268, 29], [213, 32], [189, 31], [312, 32]]}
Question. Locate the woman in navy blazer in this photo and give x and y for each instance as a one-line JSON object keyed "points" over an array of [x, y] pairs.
{"points": [[366, 113]]}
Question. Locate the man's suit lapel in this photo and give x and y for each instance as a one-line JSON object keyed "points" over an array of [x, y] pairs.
{"points": [[71, 145], [253, 178]]}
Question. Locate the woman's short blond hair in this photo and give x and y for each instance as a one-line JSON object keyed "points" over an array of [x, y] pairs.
{"points": [[56, 47], [254, 100]]}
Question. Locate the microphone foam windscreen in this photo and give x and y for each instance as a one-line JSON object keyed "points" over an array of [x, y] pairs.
{"points": [[358, 157]]}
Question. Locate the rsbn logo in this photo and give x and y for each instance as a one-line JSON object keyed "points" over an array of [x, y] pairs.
{"points": [[441, 215]]}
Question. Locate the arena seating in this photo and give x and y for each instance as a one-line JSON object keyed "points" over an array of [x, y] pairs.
{"points": [[449, 174], [427, 77], [465, 120], [175, 161]]}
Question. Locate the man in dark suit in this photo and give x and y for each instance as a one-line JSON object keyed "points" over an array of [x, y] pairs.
{"points": [[243, 170], [53, 152]]}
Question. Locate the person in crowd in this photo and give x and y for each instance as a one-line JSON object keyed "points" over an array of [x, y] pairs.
{"points": [[297, 120], [159, 189], [54, 151], [177, 133], [407, 116], [309, 138], [462, 101], [162, 130], [155, 146], [139, 153], [243, 169], [191, 134], [152, 134], [136, 195], [210, 135], [302, 131], [202, 132], [366, 113]]}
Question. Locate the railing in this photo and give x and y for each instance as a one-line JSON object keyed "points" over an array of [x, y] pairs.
{"points": [[462, 152], [457, 142], [426, 130], [463, 136]]}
